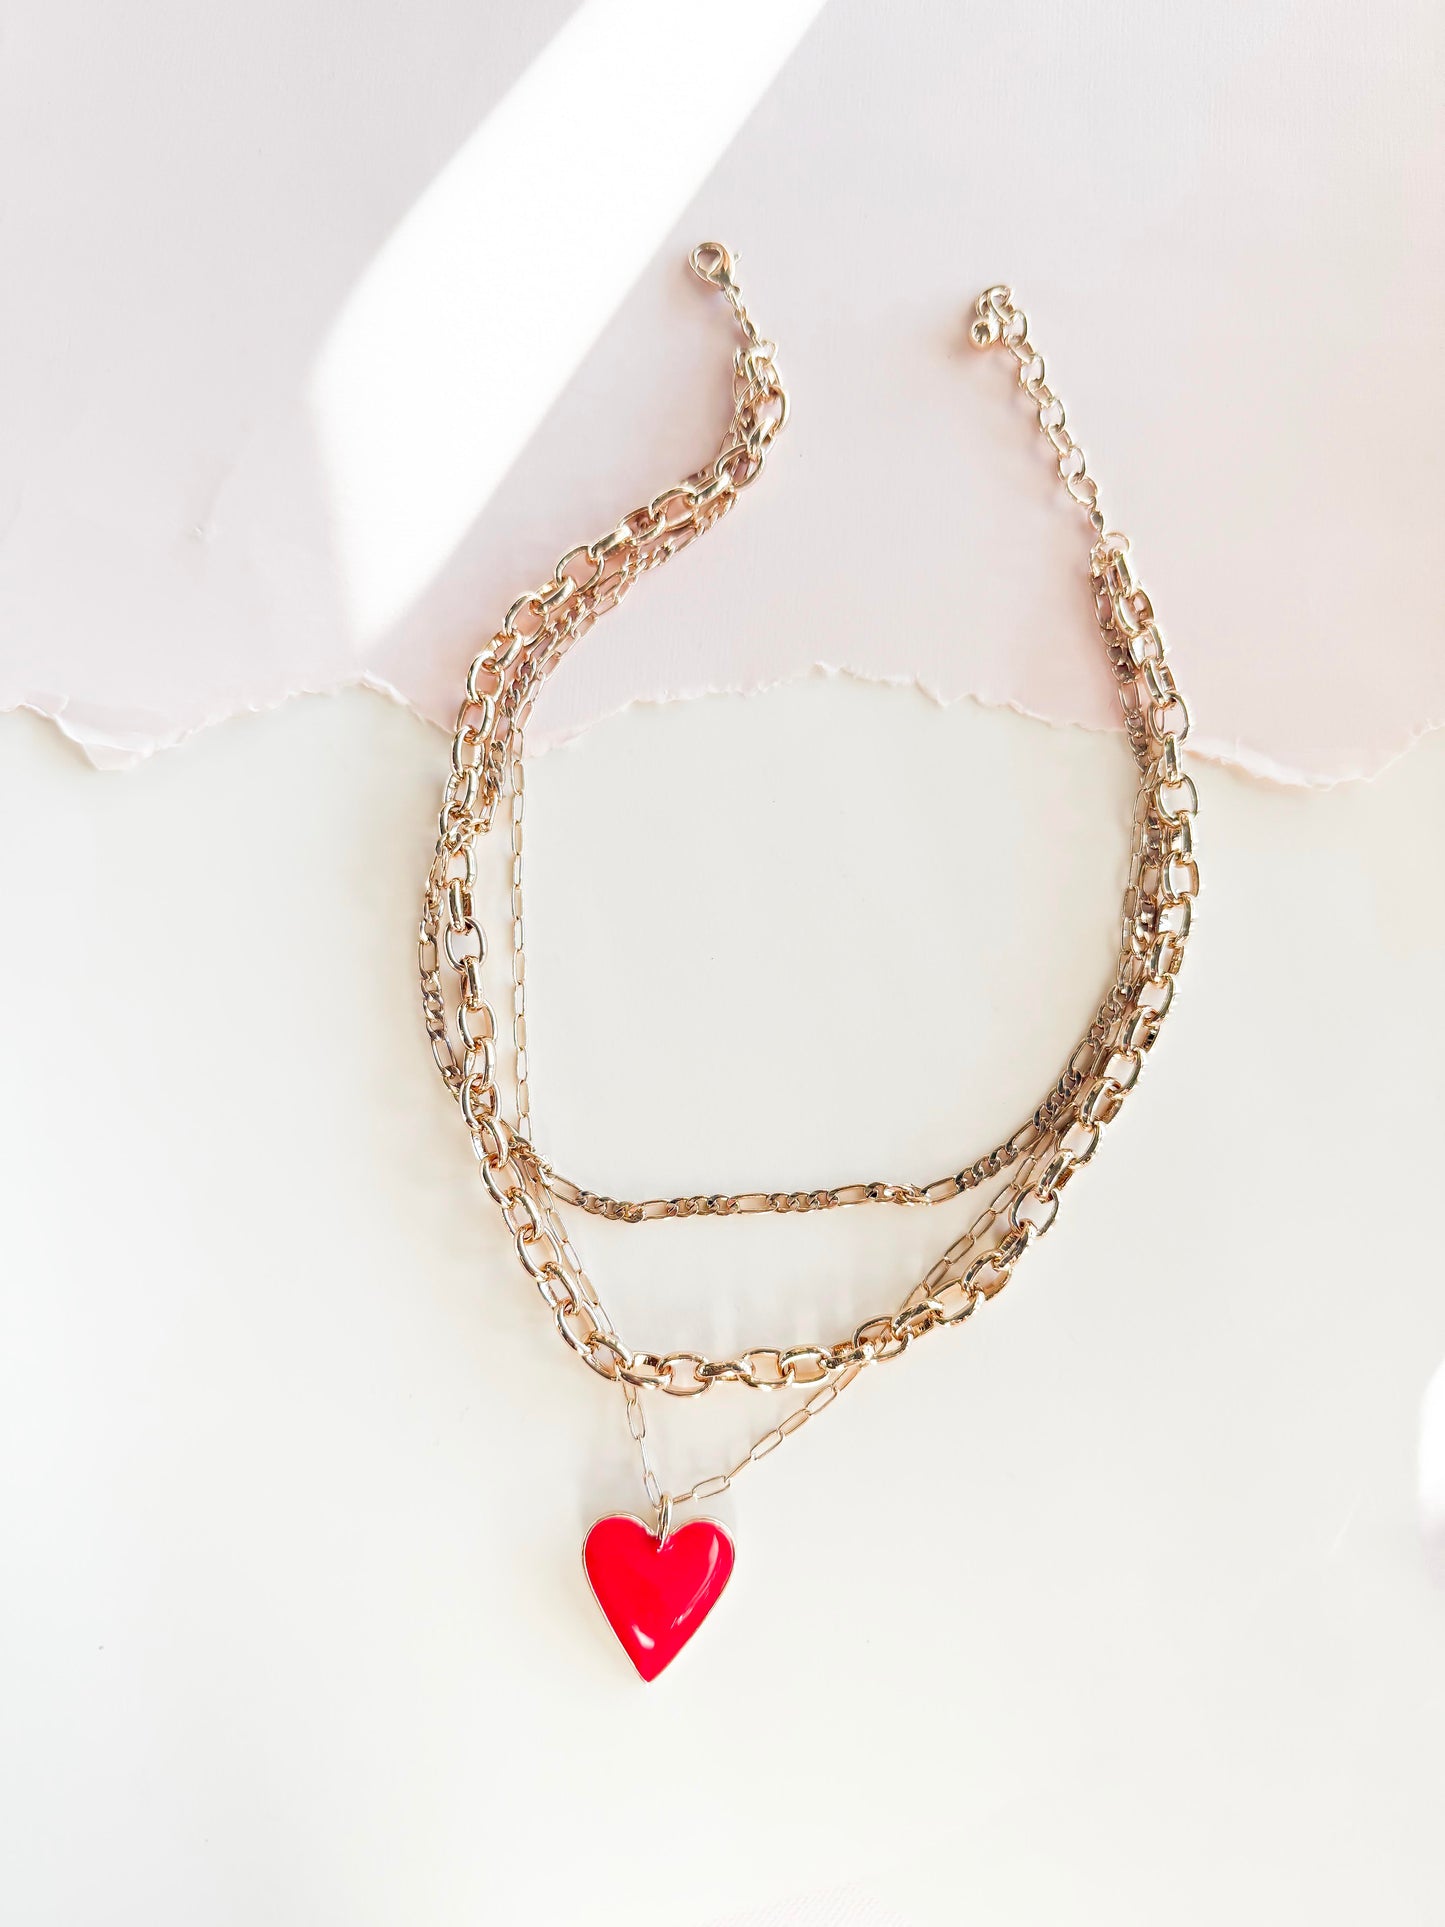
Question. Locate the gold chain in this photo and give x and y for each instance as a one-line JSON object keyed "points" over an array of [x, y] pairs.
{"points": [[1038, 1161]]}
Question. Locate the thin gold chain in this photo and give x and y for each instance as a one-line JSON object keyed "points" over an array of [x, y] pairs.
{"points": [[1065, 1131], [726, 1204], [518, 786]]}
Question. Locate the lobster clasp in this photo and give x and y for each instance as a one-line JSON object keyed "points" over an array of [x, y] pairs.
{"points": [[711, 262]]}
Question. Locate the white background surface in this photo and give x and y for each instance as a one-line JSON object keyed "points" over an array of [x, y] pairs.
{"points": [[1112, 1607], [1121, 1605]]}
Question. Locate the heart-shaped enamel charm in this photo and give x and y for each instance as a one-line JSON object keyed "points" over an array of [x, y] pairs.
{"points": [[655, 1592]]}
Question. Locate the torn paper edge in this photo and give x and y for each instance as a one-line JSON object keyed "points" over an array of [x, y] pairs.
{"points": [[110, 751]]}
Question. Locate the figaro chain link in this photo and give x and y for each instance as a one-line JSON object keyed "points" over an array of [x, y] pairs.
{"points": [[1037, 1162]]}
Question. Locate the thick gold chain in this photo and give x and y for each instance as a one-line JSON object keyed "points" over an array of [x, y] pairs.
{"points": [[1036, 1163]]}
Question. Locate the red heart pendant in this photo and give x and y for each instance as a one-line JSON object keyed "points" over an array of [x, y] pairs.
{"points": [[656, 1592]]}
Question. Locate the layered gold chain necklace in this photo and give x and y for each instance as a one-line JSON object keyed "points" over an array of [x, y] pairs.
{"points": [[656, 1581]]}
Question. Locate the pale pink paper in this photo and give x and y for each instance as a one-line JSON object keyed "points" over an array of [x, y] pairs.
{"points": [[308, 378]]}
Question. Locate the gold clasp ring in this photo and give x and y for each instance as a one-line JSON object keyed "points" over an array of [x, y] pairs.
{"points": [[711, 261]]}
